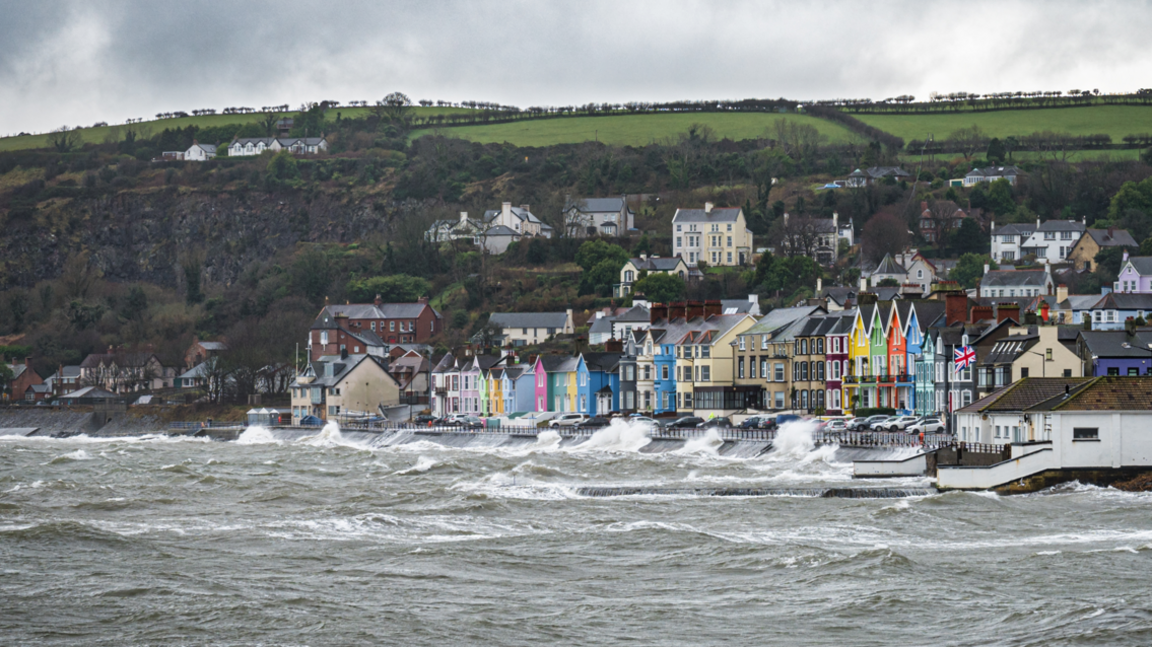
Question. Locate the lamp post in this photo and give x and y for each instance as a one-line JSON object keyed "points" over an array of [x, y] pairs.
{"points": [[1044, 359], [1147, 371]]}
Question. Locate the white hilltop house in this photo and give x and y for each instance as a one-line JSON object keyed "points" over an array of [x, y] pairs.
{"points": [[598, 217], [1050, 241], [257, 145], [719, 237], [495, 231]]}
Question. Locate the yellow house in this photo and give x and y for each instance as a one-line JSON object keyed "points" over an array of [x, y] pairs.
{"points": [[333, 386], [719, 237], [705, 365]]}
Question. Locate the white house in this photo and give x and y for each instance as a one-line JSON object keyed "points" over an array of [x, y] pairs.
{"points": [[519, 219], [598, 216], [1007, 241], [257, 145], [1052, 241], [991, 174], [1067, 428], [524, 328], [1016, 283], [200, 152]]}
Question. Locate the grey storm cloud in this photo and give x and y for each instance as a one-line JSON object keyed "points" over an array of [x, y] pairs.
{"points": [[78, 62]]}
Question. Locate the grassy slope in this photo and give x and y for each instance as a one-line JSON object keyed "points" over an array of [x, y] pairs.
{"points": [[1116, 121], [634, 130], [98, 135]]}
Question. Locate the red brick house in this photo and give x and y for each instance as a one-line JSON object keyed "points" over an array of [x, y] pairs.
{"points": [[944, 217], [23, 379], [371, 326]]}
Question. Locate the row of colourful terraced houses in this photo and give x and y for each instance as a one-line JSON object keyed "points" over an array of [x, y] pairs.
{"points": [[695, 358]]}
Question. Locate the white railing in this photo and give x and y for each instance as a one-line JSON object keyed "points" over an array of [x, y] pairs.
{"points": [[962, 477]]}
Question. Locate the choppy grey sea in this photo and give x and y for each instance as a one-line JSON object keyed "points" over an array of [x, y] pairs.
{"points": [[162, 541]]}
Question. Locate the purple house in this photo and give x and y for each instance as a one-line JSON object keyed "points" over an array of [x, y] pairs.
{"points": [[1135, 275], [1115, 352]]}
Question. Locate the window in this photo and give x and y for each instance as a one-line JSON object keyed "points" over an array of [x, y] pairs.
{"points": [[705, 373], [729, 256], [705, 351], [919, 274], [1133, 371], [778, 370], [679, 227], [740, 368], [583, 380], [763, 342], [741, 343], [392, 326], [679, 242], [819, 371], [729, 229], [1049, 235], [820, 346], [1048, 354], [1065, 235], [1023, 372], [779, 399], [729, 244], [1085, 433], [373, 326], [664, 372]]}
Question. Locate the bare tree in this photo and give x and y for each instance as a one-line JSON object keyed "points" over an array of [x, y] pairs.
{"points": [[969, 140], [64, 139]]}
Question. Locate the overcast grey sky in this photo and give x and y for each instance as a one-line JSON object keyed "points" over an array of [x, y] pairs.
{"points": [[70, 63]]}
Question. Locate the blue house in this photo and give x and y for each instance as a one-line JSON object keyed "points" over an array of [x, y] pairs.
{"points": [[598, 383], [524, 387], [1114, 308], [1115, 352], [664, 366]]}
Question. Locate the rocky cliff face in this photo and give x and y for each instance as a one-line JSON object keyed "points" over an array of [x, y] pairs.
{"points": [[135, 236]]}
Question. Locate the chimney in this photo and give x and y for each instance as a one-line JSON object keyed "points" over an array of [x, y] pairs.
{"points": [[1084, 220], [422, 301], [981, 313], [713, 307], [955, 308], [657, 312], [923, 205], [986, 268], [785, 218], [28, 362], [694, 309], [863, 284], [1061, 293], [992, 226], [1037, 222], [707, 207], [677, 310], [1112, 232], [819, 285], [378, 300], [525, 207], [1124, 259], [344, 353], [1008, 311], [614, 346], [463, 217], [506, 213], [865, 299]]}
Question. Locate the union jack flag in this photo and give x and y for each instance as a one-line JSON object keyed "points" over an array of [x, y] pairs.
{"points": [[965, 356]]}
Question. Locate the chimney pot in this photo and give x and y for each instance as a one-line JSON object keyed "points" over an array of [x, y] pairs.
{"points": [[378, 300], [707, 207]]}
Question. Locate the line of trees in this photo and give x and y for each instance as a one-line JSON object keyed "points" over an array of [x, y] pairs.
{"points": [[977, 102]]}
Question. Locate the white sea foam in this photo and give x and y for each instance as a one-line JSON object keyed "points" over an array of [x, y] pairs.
{"points": [[423, 464], [546, 441], [708, 444], [330, 436], [618, 436], [256, 435]]}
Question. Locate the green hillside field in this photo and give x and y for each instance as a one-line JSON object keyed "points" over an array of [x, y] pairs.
{"points": [[635, 130], [98, 135], [1115, 121]]}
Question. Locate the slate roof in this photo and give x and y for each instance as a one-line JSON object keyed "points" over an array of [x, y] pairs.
{"points": [[1106, 393], [718, 214], [736, 306], [884, 171], [1014, 278], [92, 392], [552, 363], [528, 319], [522, 214], [661, 264], [501, 230], [128, 359], [1116, 343], [1061, 225], [781, 317], [327, 317], [597, 205], [840, 295], [341, 367], [17, 370], [634, 314], [603, 324], [1142, 264], [1124, 301], [1009, 349], [1118, 238], [994, 171], [889, 266], [887, 293], [1014, 229], [601, 361], [1023, 394]]}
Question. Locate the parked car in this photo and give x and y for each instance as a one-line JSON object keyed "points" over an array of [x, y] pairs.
{"points": [[592, 423], [865, 424], [900, 423], [716, 423], [835, 426], [927, 425], [758, 422], [646, 419], [466, 422], [567, 419], [685, 422], [423, 420]]}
